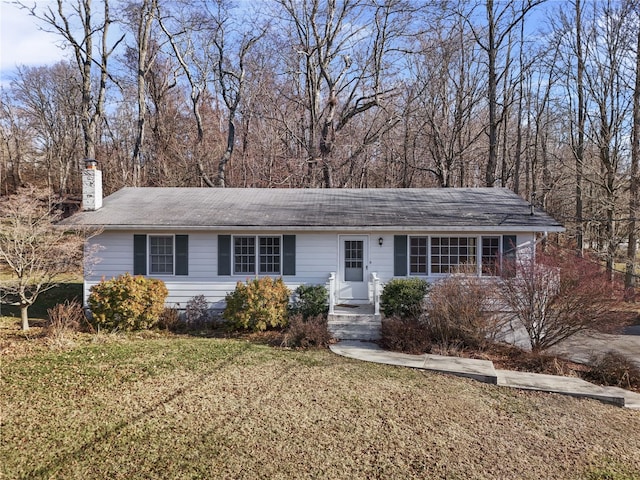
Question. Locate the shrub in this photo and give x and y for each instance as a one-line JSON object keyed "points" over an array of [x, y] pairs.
{"points": [[408, 335], [613, 369], [403, 297], [310, 301], [169, 319], [127, 302], [197, 312], [558, 295], [63, 319], [259, 304], [307, 332], [460, 311]]}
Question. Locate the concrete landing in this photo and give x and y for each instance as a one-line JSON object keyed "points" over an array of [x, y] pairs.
{"points": [[483, 370]]}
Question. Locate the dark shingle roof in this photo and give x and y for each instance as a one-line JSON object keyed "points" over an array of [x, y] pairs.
{"points": [[319, 209]]}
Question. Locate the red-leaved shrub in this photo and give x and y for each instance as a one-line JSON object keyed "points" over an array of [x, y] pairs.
{"points": [[558, 295]]}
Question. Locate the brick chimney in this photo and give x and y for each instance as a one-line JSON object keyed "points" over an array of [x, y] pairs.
{"points": [[91, 186]]}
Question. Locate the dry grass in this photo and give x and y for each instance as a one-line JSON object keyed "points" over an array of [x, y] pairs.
{"points": [[179, 407]]}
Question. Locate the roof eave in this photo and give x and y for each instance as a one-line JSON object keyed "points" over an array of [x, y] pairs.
{"points": [[329, 228]]}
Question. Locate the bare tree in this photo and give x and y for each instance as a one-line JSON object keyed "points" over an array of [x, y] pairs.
{"points": [[142, 16], [501, 20], [231, 70], [444, 98], [33, 251], [606, 79], [15, 135], [190, 49], [49, 100], [80, 29], [342, 49]]}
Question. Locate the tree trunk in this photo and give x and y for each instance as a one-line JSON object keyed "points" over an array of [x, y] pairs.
{"points": [[579, 151], [226, 156], [24, 315], [145, 20], [492, 163], [634, 188]]}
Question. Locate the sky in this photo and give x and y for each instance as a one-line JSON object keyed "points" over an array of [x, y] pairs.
{"points": [[22, 43]]}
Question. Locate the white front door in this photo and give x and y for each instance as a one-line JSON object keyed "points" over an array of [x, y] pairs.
{"points": [[354, 273]]}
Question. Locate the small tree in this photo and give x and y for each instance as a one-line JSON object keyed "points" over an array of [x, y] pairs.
{"points": [[558, 295], [33, 251]]}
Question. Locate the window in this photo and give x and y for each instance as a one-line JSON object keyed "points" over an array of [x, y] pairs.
{"points": [[353, 260], [490, 256], [453, 254], [244, 255], [161, 255], [268, 255], [418, 255]]}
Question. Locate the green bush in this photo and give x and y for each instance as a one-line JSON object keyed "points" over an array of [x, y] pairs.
{"points": [[127, 302], [257, 305], [310, 301], [403, 297], [307, 332]]}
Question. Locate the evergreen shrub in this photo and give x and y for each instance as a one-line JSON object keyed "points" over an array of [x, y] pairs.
{"points": [[257, 305], [127, 302], [403, 297]]}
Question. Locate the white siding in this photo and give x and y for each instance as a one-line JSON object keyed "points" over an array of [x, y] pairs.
{"points": [[317, 255]]}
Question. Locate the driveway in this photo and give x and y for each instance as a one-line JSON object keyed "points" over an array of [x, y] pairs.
{"points": [[583, 346]]}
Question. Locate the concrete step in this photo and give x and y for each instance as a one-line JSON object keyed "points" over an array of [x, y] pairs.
{"points": [[352, 333], [358, 318], [354, 327]]}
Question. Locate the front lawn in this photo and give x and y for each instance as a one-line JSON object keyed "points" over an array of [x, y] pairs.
{"points": [[162, 406]]}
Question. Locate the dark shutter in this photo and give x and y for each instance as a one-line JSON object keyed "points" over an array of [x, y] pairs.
{"points": [[182, 254], [509, 255], [288, 255], [139, 254], [400, 255], [224, 254]]}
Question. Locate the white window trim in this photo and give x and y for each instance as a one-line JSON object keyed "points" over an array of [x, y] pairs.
{"points": [[256, 258], [173, 254]]}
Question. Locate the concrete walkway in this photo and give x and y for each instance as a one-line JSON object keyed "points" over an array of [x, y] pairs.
{"points": [[483, 370]]}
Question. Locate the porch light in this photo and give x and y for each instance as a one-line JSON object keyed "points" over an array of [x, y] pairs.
{"points": [[380, 241]]}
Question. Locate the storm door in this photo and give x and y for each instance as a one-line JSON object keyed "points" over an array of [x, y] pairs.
{"points": [[353, 267]]}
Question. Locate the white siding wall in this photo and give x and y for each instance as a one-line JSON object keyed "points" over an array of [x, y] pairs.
{"points": [[317, 254]]}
